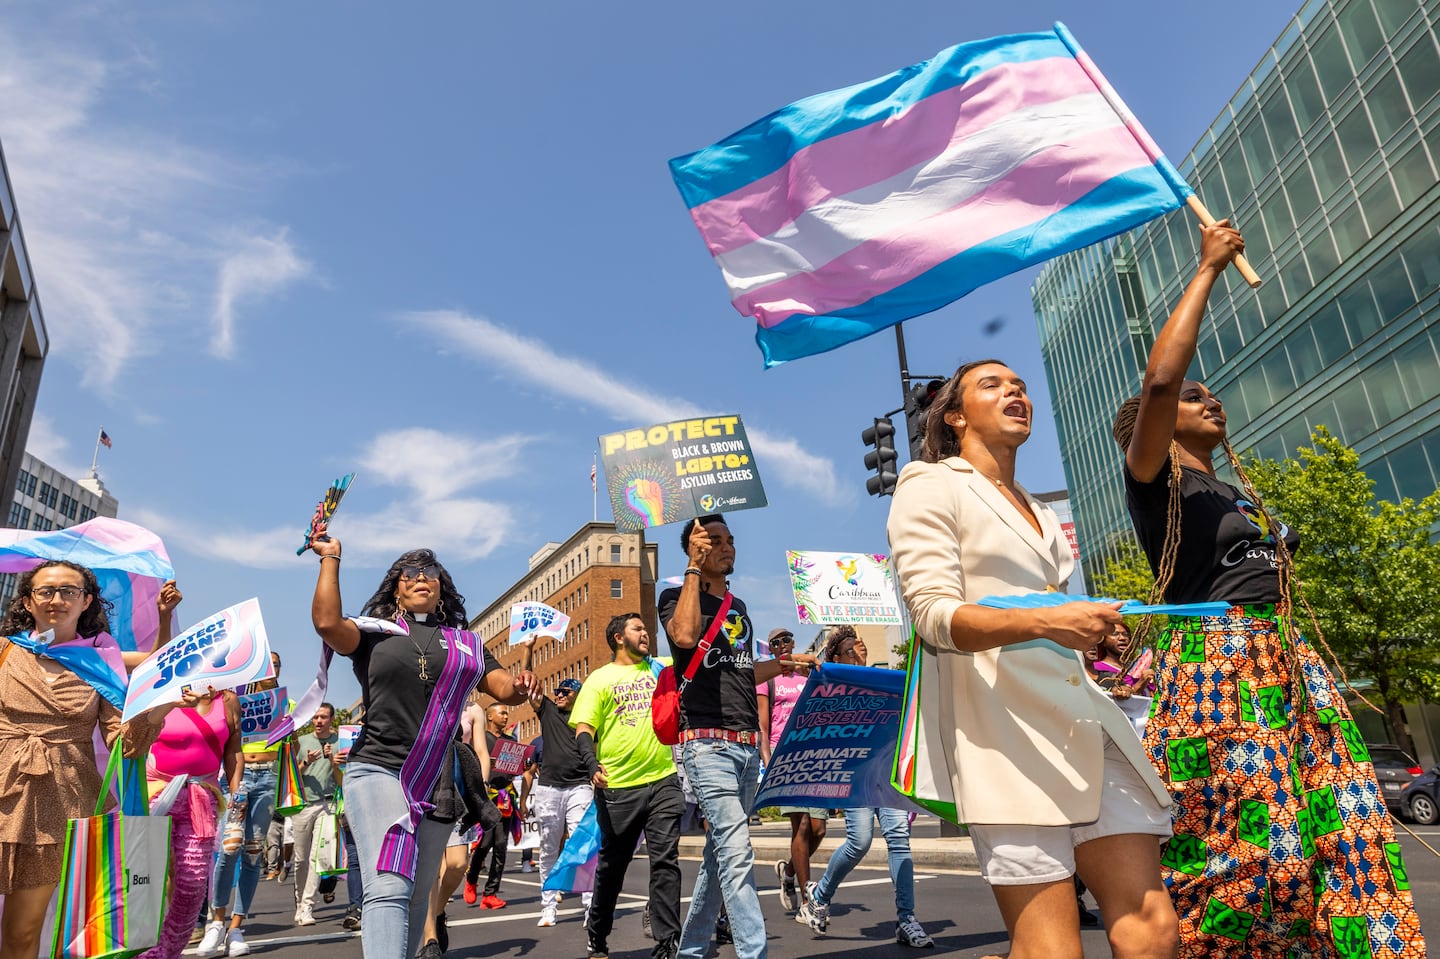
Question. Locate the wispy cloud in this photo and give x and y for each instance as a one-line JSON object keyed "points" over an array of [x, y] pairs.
{"points": [[45, 443], [260, 266], [126, 226], [503, 349], [437, 508]]}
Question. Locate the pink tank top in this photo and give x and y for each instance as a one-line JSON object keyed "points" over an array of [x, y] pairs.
{"points": [[191, 744]]}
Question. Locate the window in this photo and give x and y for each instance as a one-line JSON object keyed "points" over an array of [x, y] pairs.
{"points": [[38, 521], [86, 514], [1362, 33], [44, 492], [617, 588], [1420, 69], [30, 485], [23, 519], [14, 521], [614, 552], [20, 481]]}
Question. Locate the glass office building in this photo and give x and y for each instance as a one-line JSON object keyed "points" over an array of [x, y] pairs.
{"points": [[1326, 158]]}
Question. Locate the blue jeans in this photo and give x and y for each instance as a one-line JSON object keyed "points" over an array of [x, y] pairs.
{"points": [[258, 784], [859, 833], [393, 914], [354, 885], [724, 776]]}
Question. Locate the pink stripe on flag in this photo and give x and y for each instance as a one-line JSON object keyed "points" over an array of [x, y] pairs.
{"points": [[841, 164], [1151, 148], [1029, 194]]}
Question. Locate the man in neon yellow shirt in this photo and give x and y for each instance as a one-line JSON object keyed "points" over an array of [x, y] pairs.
{"points": [[637, 788]]}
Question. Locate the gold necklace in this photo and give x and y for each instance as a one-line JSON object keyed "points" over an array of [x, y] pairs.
{"points": [[420, 657]]}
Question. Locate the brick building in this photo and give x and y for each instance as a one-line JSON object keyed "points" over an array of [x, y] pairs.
{"points": [[598, 573]]}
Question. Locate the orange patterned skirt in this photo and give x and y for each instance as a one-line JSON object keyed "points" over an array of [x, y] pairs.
{"points": [[1283, 845]]}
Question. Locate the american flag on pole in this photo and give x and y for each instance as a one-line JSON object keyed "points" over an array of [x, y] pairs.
{"points": [[592, 477], [105, 440], [850, 211]]}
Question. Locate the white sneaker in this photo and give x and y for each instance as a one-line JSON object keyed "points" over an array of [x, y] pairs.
{"points": [[303, 917], [214, 942], [789, 895], [235, 944], [547, 916], [527, 867], [910, 933], [814, 915]]}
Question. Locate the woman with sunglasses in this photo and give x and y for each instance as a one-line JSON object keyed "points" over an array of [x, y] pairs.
{"points": [[55, 692], [416, 665]]}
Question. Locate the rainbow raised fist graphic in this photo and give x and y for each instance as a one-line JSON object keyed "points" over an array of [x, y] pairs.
{"points": [[646, 499]]}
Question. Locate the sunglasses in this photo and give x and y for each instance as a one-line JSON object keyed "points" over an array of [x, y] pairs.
{"points": [[411, 573]]}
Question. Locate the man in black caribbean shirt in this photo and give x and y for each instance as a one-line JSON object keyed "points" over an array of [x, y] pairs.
{"points": [[719, 734]]}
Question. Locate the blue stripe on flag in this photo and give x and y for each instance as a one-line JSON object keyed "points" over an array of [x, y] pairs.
{"points": [[1110, 209], [766, 145]]}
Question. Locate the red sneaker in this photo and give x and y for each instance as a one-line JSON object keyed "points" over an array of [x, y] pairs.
{"points": [[492, 902], [471, 893]]}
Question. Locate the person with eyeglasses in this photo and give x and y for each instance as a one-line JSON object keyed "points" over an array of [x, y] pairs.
{"points": [[562, 791], [62, 678], [416, 664]]}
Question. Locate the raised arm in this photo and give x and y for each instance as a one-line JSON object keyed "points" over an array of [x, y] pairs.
{"points": [[165, 604], [234, 765], [1173, 352], [684, 625], [339, 633]]}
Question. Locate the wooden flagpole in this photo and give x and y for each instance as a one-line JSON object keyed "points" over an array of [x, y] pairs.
{"points": [[1241, 264]]}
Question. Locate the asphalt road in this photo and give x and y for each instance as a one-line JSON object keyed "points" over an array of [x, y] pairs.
{"points": [[955, 907]]}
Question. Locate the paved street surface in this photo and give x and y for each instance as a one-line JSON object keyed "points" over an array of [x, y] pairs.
{"points": [[954, 906]]}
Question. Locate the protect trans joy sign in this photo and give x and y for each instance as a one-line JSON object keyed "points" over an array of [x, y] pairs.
{"points": [[226, 650]]}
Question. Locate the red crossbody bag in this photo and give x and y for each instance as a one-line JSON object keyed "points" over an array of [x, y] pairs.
{"points": [[665, 705]]}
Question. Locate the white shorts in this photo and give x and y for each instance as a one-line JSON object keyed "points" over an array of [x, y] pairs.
{"points": [[1018, 855]]}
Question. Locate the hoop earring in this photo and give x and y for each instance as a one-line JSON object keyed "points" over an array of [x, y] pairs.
{"points": [[440, 610]]}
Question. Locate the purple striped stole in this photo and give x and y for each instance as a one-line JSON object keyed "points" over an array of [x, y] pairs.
{"points": [[464, 660]]}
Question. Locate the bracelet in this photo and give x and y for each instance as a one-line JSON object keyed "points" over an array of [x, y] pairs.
{"points": [[692, 571], [334, 556]]}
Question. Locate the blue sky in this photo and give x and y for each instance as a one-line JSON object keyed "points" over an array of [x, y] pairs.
{"points": [[438, 243]]}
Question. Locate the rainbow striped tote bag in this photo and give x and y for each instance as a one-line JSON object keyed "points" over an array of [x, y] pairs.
{"points": [[289, 790], [114, 877], [920, 772]]}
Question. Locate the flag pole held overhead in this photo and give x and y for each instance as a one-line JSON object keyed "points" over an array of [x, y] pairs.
{"points": [[850, 211], [1151, 148]]}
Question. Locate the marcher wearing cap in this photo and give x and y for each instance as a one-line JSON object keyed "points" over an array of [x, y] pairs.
{"points": [[776, 698], [561, 790]]}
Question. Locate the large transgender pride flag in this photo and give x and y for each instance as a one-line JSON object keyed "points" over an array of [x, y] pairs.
{"points": [[850, 211], [130, 563]]}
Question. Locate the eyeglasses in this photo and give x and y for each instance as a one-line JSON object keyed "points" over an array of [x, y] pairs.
{"points": [[67, 594], [412, 573]]}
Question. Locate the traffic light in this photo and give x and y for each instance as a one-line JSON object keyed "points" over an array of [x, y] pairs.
{"points": [[917, 408], [882, 459]]}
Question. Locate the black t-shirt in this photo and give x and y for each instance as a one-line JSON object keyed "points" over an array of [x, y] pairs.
{"points": [[497, 780], [722, 694], [561, 764], [395, 698], [1226, 552]]}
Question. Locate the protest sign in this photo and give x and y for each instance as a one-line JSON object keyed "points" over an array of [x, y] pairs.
{"points": [[259, 712], [838, 747], [348, 734], [226, 650], [676, 471], [326, 509], [508, 757], [835, 588], [536, 619]]}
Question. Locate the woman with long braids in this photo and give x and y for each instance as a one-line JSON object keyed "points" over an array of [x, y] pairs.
{"points": [[1041, 763], [1282, 840], [55, 692], [416, 665]]}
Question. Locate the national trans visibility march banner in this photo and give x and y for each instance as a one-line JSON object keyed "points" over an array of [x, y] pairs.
{"points": [[838, 748]]}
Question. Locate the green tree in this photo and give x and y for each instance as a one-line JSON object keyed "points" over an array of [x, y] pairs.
{"points": [[1368, 568], [1126, 573]]}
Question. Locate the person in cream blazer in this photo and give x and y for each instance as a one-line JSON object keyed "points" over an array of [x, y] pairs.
{"points": [[1041, 764]]}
